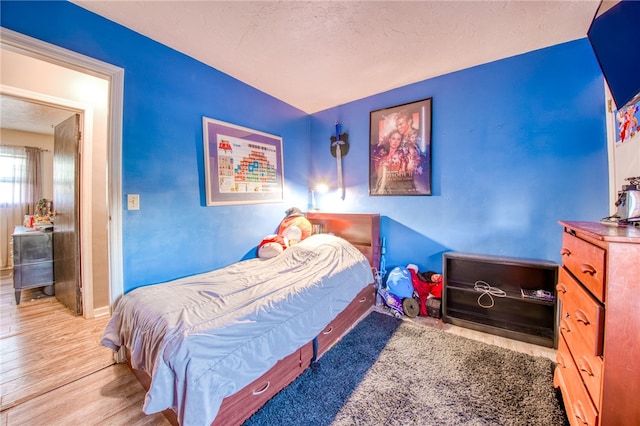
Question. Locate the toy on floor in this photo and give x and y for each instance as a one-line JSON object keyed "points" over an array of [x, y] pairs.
{"points": [[435, 281], [426, 285], [398, 295]]}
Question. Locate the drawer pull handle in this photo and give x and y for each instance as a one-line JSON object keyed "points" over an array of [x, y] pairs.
{"points": [[564, 325], [582, 317], [328, 330], [561, 288], [262, 390], [364, 299], [560, 360], [565, 252], [579, 412], [588, 269], [584, 366]]}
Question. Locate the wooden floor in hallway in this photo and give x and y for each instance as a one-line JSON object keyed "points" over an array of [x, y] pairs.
{"points": [[53, 368]]}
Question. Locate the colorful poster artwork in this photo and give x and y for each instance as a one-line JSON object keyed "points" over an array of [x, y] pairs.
{"points": [[627, 125], [400, 150], [246, 166], [241, 165]]}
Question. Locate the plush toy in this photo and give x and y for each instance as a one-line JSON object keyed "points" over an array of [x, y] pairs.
{"points": [[293, 229], [398, 294], [272, 245], [421, 287], [399, 282], [295, 226], [426, 285], [435, 281]]}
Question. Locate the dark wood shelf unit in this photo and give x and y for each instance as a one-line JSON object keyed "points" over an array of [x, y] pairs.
{"points": [[506, 314]]}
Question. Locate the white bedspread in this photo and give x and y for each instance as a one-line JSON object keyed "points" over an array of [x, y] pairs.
{"points": [[204, 337]]}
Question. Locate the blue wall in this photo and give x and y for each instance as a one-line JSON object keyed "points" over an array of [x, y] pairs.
{"points": [[517, 145], [166, 94]]}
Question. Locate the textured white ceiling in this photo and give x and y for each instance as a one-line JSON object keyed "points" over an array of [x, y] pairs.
{"points": [[319, 54], [26, 116], [316, 55]]}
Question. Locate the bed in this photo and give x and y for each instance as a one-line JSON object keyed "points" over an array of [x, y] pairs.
{"points": [[213, 348]]}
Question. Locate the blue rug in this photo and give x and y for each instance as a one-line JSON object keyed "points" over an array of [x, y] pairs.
{"points": [[387, 371]]}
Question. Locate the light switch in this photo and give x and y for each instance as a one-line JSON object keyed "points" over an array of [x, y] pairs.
{"points": [[133, 201]]}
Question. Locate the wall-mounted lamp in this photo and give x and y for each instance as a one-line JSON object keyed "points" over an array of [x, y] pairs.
{"points": [[320, 188]]}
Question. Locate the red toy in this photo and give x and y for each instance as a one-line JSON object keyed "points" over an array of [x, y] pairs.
{"points": [[294, 228], [435, 281], [426, 285], [272, 245]]}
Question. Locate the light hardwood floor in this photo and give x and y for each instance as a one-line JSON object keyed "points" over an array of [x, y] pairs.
{"points": [[70, 380], [53, 369]]}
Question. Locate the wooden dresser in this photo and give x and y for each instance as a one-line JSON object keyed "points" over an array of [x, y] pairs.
{"points": [[598, 359]]}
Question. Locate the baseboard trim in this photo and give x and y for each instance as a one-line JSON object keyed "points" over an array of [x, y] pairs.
{"points": [[101, 311]]}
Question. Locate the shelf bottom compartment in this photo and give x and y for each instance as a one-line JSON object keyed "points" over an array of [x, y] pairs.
{"points": [[529, 333], [501, 310]]}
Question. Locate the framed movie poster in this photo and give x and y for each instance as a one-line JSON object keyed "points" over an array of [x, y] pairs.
{"points": [[242, 166], [400, 150]]}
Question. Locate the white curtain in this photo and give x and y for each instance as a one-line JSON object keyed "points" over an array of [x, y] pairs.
{"points": [[20, 189]]}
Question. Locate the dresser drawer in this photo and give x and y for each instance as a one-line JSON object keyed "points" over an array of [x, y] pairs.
{"points": [[32, 248], [33, 275], [588, 365], [580, 409], [586, 262], [583, 311]]}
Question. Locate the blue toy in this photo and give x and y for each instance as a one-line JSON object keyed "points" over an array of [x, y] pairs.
{"points": [[399, 282], [398, 295]]}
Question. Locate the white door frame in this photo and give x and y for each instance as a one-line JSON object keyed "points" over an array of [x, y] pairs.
{"points": [[47, 52], [85, 236]]}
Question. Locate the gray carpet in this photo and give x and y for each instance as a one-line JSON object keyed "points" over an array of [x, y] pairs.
{"points": [[392, 372]]}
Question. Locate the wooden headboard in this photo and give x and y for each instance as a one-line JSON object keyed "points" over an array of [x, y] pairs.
{"points": [[360, 229]]}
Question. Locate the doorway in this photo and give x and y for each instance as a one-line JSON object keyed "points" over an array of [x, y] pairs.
{"points": [[92, 238], [54, 133], [101, 194]]}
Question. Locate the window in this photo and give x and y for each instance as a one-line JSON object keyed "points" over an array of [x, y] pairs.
{"points": [[13, 162], [19, 175]]}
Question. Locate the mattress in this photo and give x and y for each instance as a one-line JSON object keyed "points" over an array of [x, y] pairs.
{"points": [[204, 337]]}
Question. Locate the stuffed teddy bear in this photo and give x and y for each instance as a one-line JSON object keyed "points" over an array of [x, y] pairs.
{"points": [[293, 229]]}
